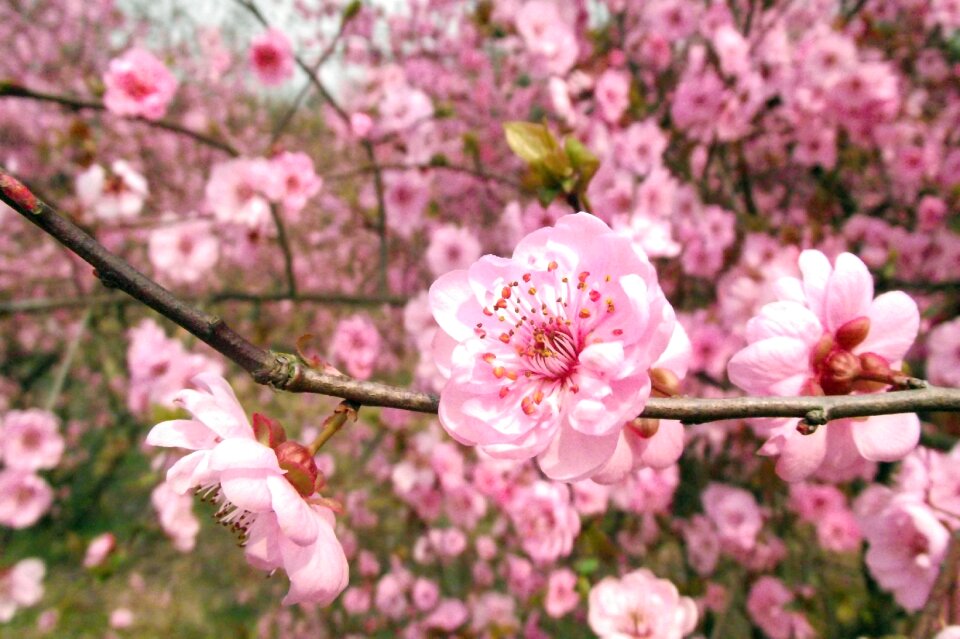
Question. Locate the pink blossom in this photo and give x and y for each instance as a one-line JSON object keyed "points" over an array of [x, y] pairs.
{"points": [[950, 632], [31, 439], [21, 586], [112, 196], [99, 549], [262, 500], [767, 606], [24, 498], [406, 195], [547, 36], [640, 605], [545, 520], [829, 335], [562, 596], [449, 615], [356, 343], [702, 544], [121, 618], [583, 320], [812, 501], [838, 531], [184, 252], [389, 597], [452, 247], [907, 544], [647, 490], [138, 84], [425, 594], [237, 192], [641, 145], [734, 513], [271, 57], [943, 360], [295, 180], [613, 94]]}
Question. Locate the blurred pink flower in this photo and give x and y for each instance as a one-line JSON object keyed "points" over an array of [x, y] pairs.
{"points": [[548, 352], [271, 57], [735, 514], [237, 192], [175, 513], [138, 84], [452, 247], [24, 498], [767, 606], [547, 36], [295, 180], [30, 439], [356, 343], [943, 360], [112, 196], [640, 605], [21, 586], [545, 520], [184, 252], [828, 335], [562, 596], [613, 94]]}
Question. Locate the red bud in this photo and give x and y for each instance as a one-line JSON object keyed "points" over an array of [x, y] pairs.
{"points": [[268, 431], [300, 466], [821, 350], [853, 333]]}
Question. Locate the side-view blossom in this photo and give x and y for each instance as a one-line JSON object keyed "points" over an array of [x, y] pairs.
{"points": [[548, 353], [828, 335], [20, 586], [640, 605], [264, 485], [138, 84]]}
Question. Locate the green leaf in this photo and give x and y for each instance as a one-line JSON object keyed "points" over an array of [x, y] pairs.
{"points": [[531, 142], [587, 565], [582, 160]]}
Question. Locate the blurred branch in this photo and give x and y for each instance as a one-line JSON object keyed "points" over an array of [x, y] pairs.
{"points": [[61, 375], [286, 372], [483, 175], [47, 304], [287, 253], [10, 90], [930, 621]]}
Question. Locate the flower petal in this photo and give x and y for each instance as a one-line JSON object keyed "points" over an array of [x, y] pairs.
{"points": [[801, 455], [572, 455], [182, 433], [295, 517], [450, 299], [770, 363], [848, 293], [886, 437], [894, 322]]}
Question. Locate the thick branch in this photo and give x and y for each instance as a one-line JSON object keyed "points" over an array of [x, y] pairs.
{"points": [[286, 372], [8, 90]]}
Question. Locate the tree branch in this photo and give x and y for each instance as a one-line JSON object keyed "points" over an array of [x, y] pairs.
{"points": [[387, 166], [10, 90], [286, 372]]}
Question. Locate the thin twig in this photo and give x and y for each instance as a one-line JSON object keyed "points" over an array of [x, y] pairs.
{"points": [[287, 252], [61, 375], [9, 90], [287, 372], [388, 166]]}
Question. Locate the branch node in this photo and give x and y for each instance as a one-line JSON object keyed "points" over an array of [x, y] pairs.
{"points": [[284, 372], [812, 420]]}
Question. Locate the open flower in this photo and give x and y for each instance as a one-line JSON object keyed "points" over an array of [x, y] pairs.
{"points": [[548, 353], [640, 605], [138, 84], [265, 488], [828, 335]]}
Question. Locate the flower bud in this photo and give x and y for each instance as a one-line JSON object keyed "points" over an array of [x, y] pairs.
{"points": [[853, 333], [821, 350], [839, 372], [665, 382], [300, 466], [644, 427], [268, 431]]}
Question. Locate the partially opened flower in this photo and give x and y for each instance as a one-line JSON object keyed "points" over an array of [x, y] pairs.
{"points": [[640, 605], [265, 488], [548, 352], [828, 335]]}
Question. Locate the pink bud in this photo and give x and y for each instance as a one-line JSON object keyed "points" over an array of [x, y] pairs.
{"points": [[853, 333], [821, 350], [840, 371]]}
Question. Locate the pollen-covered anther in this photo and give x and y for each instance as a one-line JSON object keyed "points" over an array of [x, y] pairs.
{"points": [[585, 313], [526, 405], [505, 292], [594, 296], [552, 266], [488, 357]]}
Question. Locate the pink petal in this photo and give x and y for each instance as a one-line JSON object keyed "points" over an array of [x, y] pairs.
{"points": [[469, 416], [676, 358], [619, 465], [766, 363], [450, 300], [246, 489], [816, 271], [894, 322], [443, 347], [605, 358], [182, 433], [785, 319], [801, 455], [571, 455], [263, 543], [319, 572], [665, 447], [181, 476], [886, 437], [849, 292], [295, 517], [245, 454], [223, 393], [206, 409]]}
